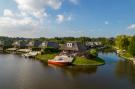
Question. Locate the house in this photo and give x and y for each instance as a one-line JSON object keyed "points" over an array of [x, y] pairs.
{"points": [[35, 43], [97, 43], [74, 47], [1, 43], [93, 44], [90, 44], [19, 44], [46, 44]]}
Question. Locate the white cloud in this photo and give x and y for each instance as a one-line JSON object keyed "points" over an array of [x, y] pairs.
{"points": [[33, 5], [106, 22], [31, 18], [18, 26], [40, 14], [27, 10], [132, 26], [74, 1], [70, 17], [8, 12], [37, 7], [14, 23], [60, 18]]}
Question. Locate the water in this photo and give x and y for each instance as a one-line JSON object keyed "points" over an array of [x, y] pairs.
{"points": [[20, 73]]}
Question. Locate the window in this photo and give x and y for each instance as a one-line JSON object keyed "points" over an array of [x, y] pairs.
{"points": [[69, 44], [44, 44]]}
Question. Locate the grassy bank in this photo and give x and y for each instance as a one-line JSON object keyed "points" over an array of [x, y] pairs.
{"points": [[77, 60], [45, 57], [126, 56], [122, 54], [84, 61]]}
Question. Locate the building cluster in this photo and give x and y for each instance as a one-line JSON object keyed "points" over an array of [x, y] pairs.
{"points": [[68, 47]]}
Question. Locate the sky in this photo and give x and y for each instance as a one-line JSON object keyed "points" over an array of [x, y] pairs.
{"points": [[63, 18]]}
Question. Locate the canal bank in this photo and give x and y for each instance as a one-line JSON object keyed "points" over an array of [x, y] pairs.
{"points": [[78, 61]]}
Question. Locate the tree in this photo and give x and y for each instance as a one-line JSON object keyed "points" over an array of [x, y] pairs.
{"points": [[131, 48], [94, 52], [122, 42]]}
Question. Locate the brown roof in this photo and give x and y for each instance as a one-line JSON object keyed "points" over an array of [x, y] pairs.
{"points": [[76, 46]]}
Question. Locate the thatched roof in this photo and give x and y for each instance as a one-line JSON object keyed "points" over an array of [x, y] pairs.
{"points": [[50, 44], [74, 46]]}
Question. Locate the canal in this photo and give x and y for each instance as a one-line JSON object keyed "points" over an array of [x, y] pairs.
{"points": [[17, 72]]}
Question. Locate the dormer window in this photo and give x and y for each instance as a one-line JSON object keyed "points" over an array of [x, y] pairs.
{"points": [[43, 44], [69, 44]]}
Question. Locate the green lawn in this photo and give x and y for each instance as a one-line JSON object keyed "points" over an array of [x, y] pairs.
{"points": [[126, 56], [77, 60], [45, 57], [84, 61]]}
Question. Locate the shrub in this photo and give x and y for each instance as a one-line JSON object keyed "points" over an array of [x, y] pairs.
{"points": [[93, 52], [36, 49], [50, 50]]}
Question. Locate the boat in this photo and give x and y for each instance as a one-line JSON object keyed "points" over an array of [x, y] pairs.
{"points": [[30, 54], [133, 60], [61, 60]]}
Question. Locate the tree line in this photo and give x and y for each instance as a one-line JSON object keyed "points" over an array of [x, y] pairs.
{"points": [[61, 40], [126, 43]]}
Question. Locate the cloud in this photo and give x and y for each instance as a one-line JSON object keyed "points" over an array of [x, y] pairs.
{"points": [[74, 1], [69, 18], [31, 18], [30, 14], [37, 7], [15, 23], [33, 5], [132, 26], [60, 18], [63, 18], [106, 22], [8, 12]]}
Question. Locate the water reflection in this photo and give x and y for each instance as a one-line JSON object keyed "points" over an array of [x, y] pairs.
{"points": [[76, 70], [125, 69], [21, 73]]}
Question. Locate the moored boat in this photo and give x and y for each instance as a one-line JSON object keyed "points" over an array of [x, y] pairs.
{"points": [[61, 60]]}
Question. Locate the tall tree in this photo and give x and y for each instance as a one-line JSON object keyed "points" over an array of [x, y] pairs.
{"points": [[122, 42], [131, 48]]}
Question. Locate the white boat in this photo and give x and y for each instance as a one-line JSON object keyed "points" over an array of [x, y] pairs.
{"points": [[118, 51], [61, 60], [31, 54]]}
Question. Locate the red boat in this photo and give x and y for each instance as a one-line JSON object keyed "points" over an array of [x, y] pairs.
{"points": [[61, 60]]}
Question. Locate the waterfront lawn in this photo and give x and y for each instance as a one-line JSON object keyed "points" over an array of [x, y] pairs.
{"points": [[45, 57], [126, 56], [84, 61], [77, 60]]}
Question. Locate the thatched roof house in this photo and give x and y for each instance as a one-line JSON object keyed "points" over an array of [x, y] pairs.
{"points": [[19, 44], [46, 44], [93, 44], [34, 43], [74, 47], [1, 43]]}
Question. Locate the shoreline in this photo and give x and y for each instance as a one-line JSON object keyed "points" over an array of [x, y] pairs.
{"points": [[77, 61]]}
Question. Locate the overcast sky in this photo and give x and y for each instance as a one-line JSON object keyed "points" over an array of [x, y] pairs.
{"points": [[51, 18]]}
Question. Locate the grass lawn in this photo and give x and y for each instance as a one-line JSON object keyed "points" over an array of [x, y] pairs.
{"points": [[84, 61], [45, 57], [126, 56], [77, 60]]}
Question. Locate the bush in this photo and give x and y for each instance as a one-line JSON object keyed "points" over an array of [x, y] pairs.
{"points": [[93, 52], [36, 49], [50, 50]]}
